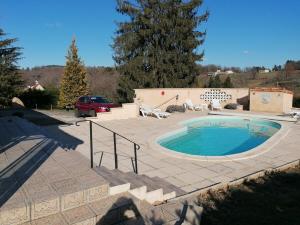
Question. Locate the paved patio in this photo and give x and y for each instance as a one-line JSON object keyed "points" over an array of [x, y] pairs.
{"points": [[37, 173], [44, 181], [188, 174]]}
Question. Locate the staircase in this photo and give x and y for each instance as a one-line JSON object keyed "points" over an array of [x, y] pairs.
{"points": [[41, 182], [153, 190]]}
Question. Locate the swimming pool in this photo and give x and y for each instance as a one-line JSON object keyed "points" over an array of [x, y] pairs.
{"points": [[219, 136]]}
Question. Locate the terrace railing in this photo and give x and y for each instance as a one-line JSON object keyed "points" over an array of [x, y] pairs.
{"points": [[167, 101], [136, 147]]}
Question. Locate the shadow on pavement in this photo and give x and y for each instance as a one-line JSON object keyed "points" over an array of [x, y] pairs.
{"points": [[25, 146], [127, 211]]}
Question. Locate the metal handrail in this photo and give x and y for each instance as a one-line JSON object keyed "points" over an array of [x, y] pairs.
{"points": [[115, 134], [108, 130], [165, 102]]}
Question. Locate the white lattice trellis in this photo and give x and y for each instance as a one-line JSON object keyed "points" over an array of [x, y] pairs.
{"points": [[218, 94]]}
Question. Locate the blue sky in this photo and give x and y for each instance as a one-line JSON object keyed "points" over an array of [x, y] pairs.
{"points": [[239, 32]]}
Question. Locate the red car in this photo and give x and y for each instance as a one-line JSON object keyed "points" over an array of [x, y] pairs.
{"points": [[91, 105]]}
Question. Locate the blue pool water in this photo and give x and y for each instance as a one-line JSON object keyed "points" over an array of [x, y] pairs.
{"points": [[217, 136]]}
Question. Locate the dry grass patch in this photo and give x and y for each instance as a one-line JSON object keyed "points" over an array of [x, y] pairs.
{"points": [[272, 199]]}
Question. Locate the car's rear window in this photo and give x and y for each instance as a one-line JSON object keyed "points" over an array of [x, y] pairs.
{"points": [[99, 99], [82, 99]]}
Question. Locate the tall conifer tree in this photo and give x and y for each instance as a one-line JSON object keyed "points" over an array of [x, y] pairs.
{"points": [[10, 80], [227, 83], [74, 81], [157, 46]]}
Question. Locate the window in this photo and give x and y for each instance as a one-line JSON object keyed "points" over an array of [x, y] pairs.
{"points": [[81, 99], [99, 99], [84, 99]]}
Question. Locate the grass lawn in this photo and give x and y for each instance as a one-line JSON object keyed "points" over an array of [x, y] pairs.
{"points": [[273, 199]]}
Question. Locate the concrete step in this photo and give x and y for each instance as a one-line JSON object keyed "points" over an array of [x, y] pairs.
{"points": [[40, 178], [109, 211], [168, 191], [127, 111], [168, 187], [117, 185], [153, 190], [36, 199], [124, 210], [139, 193], [112, 177], [139, 185]]}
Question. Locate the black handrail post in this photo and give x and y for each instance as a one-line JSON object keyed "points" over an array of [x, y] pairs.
{"points": [[91, 145], [115, 151], [136, 146], [135, 158]]}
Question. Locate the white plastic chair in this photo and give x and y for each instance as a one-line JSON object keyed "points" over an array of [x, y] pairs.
{"points": [[189, 105], [295, 113], [215, 104]]}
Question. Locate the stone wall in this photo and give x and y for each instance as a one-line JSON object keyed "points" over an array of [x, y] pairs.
{"points": [[276, 100], [162, 97], [127, 111]]}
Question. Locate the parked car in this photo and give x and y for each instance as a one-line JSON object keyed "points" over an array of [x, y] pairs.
{"points": [[91, 105]]}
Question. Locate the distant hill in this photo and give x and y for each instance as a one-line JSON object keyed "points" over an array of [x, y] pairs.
{"points": [[103, 80], [272, 79]]}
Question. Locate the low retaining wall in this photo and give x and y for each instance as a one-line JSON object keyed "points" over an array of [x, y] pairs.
{"points": [[127, 111], [162, 97], [238, 181]]}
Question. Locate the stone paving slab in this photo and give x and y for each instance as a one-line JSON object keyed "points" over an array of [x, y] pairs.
{"points": [[176, 181], [190, 178], [48, 160], [156, 173], [56, 219], [184, 172], [94, 188], [40, 178], [82, 216], [70, 192], [168, 213], [17, 210], [123, 209]]}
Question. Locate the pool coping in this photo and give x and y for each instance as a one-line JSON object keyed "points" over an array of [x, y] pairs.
{"points": [[259, 150], [254, 115]]}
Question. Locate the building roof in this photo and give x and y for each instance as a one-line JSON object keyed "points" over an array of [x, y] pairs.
{"points": [[36, 86]]}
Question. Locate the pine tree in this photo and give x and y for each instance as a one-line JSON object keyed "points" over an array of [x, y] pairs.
{"points": [[227, 83], [74, 81], [217, 82], [211, 82], [10, 79], [157, 46]]}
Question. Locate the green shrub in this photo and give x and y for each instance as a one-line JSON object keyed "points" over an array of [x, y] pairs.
{"points": [[296, 102], [18, 114], [41, 99], [175, 108], [231, 106]]}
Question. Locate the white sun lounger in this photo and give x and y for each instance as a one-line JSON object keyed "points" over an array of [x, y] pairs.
{"points": [[149, 111], [295, 113], [189, 105], [215, 104]]}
